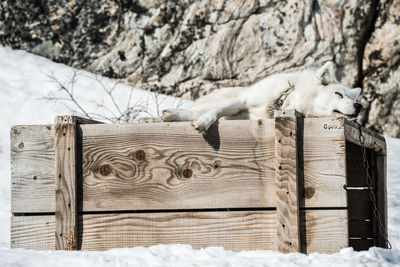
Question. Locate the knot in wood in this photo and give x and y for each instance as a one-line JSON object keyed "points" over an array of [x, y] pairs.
{"points": [[105, 169], [217, 164], [309, 192], [21, 145], [15, 131], [140, 155], [187, 173]]}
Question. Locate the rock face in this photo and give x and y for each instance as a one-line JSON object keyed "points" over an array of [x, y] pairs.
{"points": [[381, 71], [188, 48]]}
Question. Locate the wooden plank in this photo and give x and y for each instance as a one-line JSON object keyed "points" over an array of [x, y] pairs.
{"points": [[373, 140], [32, 169], [287, 201], [323, 231], [81, 120], [236, 230], [172, 166], [33, 232], [381, 197], [66, 171], [324, 163], [233, 230]]}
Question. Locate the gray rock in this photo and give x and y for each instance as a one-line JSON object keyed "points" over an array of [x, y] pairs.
{"points": [[47, 49], [381, 70]]}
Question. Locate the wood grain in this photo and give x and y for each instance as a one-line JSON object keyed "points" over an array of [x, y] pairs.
{"points": [[33, 232], [324, 163], [172, 166], [233, 230], [373, 140], [66, 182], [32, 168], [325, 231], [287, 201]]}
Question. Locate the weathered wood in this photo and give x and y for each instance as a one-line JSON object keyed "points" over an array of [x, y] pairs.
{"points": [[66, 182], [67, 169], [372, 140], [172, 166], [286, 180], [323, 231], [324, 163], [381, 197], [32, 169], [33, 232], [237, 165], [80, 120], [232, 230]]}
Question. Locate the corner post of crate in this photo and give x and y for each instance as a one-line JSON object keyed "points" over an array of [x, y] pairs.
{"points": [[382, 196], [286, 173], [66, 149]]}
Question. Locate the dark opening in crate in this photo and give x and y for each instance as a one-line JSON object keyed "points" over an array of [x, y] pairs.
{"points": [[363, 225]]}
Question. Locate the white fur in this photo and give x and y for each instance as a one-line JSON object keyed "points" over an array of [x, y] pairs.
{"points": [[315, 94]]}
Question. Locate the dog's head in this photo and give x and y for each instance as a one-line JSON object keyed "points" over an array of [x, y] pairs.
{"points": [[330, 97]]}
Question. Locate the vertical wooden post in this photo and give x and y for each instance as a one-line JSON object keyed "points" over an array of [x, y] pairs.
{"points": [[66, 182], [381, 196], [67, 170], [287, 196]]}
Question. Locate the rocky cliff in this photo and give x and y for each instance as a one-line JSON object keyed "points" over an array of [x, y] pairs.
{"points": [[188, 48]]}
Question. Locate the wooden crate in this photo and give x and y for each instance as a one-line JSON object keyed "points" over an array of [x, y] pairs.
{"points": [[287, 184]]}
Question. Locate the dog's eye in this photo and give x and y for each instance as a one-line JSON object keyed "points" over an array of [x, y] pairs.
{"points": [[339, 94]]}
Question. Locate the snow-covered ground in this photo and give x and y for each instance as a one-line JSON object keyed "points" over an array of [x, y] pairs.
{"points": [[24, 82]]}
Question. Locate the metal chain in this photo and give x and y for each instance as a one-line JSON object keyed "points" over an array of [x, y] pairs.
{"points": [[368, 179]]}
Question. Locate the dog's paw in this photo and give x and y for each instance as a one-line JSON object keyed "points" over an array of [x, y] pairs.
{"points": [[204, 123], [168, 115]]}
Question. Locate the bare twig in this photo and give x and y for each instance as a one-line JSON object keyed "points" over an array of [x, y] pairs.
{"points": [[116, 112], [68, 91]]}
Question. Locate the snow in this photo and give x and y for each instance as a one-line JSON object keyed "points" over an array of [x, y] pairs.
{"points": [[184, 255], [24, 82]]}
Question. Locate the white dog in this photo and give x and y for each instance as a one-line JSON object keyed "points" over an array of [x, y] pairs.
{"points": [[311, 92]]}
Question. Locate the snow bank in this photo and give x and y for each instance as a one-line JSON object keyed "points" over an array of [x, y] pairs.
{"points": [[184, 255], [24, 81]]}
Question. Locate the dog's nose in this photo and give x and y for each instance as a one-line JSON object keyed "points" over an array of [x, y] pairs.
{"points": [[358, 108]]}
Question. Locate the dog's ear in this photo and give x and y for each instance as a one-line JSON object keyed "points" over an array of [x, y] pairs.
{"points": [[353, 94], [326, 74]]}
